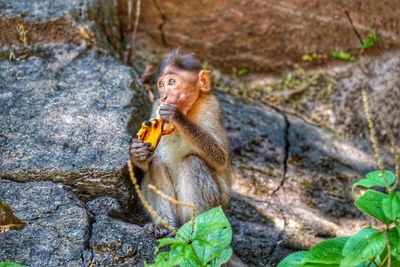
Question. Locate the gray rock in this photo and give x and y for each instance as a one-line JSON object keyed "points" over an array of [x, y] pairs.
{"points": [[255, 236], [257, 143], [43, 10], [94, 22], [67, 116], [292, 182], [117, 243], [60, 231], [57, 227], [104, 206], [379, 78]]}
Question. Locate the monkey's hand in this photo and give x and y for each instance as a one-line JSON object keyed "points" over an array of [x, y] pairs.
{"points": [[140, 152], [170, 113]]}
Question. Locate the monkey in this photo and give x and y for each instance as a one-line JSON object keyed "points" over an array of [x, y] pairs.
{"points": [[191, 164]]}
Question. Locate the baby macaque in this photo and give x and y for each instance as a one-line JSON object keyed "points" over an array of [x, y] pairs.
{"points": [[192, 163]]}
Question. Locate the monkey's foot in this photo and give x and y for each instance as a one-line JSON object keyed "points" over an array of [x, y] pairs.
{"points": [[160, 231]]}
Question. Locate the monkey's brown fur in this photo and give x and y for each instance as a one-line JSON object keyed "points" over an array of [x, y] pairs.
{"points": [[191, 164]]}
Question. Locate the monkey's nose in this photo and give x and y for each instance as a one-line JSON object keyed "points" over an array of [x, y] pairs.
{"points": [[164, 98]]}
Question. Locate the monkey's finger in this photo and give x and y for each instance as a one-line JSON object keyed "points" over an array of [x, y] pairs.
{"points": [[138, 145], [144, 153], [167, 106], [145, 149], [165, 115], [136, 141]]}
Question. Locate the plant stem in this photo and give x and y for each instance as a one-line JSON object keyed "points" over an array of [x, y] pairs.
{"points": [[383, 262], [177, 203], [389, 254], [146, 204], [374, 140], [354, 28], [394, 149], [371, 261]]}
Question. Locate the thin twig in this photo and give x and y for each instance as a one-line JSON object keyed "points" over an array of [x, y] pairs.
{"points": [[177, 203], [354, 28], [146, 204], [374, 140], [135, 27], [146, 81], [394, 147]]}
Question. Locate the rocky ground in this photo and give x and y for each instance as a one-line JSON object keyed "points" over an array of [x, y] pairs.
{"points": [[69, 108]]}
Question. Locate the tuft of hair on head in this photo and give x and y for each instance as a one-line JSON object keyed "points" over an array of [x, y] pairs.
{"points": [[177, 59]]}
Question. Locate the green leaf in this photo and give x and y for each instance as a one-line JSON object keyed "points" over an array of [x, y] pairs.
{"points": [[364, 245], [165, 259], [288, 80], [343, 56], [371, 41], [394, 240], [206, 229], [224, 257], [209, 244], [327, 252], [375, 178], [371, 203], [10, 264], [211, 227], [293, 260], [391, 206], [244, 70], [167, 241]]}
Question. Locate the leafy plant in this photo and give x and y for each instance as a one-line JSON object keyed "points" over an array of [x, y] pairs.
{"points": [[207, 245], [342, 55], [244, 70], [371, 41], [10, 264], [287, 81], [372, 246]]}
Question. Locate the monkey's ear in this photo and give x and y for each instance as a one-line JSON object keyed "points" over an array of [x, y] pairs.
{"points": [[205, 81]]}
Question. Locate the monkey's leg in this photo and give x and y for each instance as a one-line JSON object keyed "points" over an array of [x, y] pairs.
{"points": [[159, 176], [196, 185]]}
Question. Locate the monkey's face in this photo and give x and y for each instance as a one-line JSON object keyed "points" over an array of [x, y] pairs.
{"points": [[178, 87]]}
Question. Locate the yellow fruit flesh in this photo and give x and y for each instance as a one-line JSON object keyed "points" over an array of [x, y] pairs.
{"points": [[152, 131]]}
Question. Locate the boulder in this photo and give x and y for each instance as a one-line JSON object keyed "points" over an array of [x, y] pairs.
{"points": [[58, 225], [60, 230], [25, 23], [266, 36], [117, 243], [68, 116], [292, 182]]}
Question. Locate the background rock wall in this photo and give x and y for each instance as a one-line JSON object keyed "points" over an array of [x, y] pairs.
{"points": [[267, 35]]}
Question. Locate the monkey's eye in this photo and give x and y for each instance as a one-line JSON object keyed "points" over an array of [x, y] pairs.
{"points": [[171, 81], [160, 84]]}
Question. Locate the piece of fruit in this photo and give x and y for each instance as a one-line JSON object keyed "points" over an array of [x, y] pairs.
{"points": [[152, 130]]}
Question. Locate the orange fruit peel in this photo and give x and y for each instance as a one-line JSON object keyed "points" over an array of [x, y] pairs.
{"points": [[152, 131]]}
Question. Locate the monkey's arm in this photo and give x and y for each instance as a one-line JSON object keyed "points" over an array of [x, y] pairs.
{"points": [[205, 145]]}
